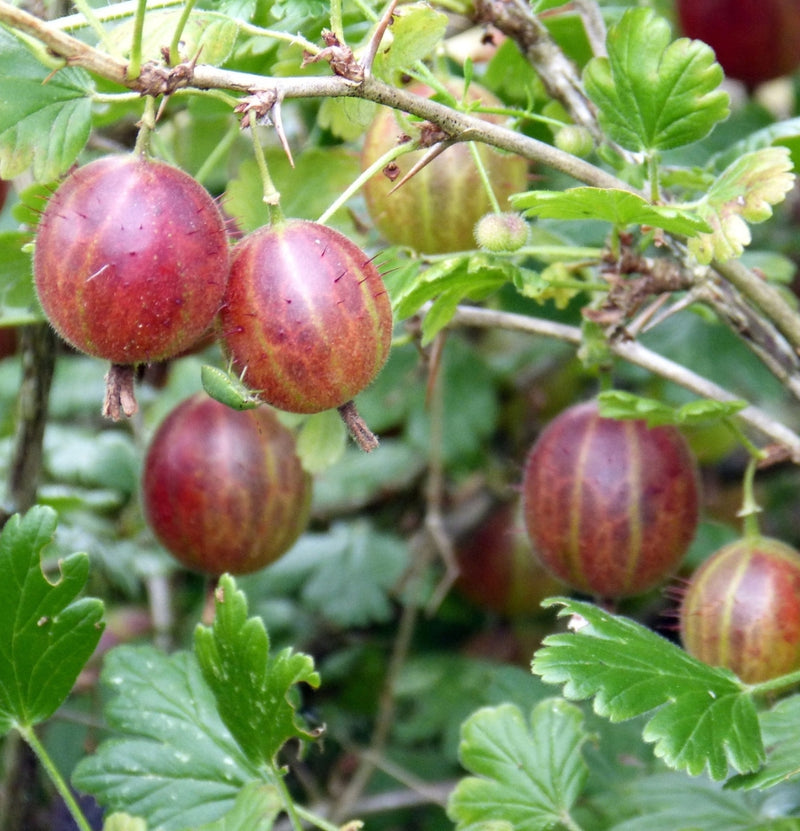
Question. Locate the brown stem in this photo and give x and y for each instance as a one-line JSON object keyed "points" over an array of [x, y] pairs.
{"points": [[357, 427], [120, 398]]}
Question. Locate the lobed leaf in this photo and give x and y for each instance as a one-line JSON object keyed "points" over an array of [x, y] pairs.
{"points": [[653, 93], [416, 30], [173, 762], [43, 126], [744, 192], [47, 634], [526, 775], [619, 207], [251, 687], [701, 716]]}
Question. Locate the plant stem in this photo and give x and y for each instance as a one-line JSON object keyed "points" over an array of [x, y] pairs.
{"points": [[174, 53], [222, 148], [357, 184], [56, 778], [750, 508], [146, 126], [783, 682], [93, 21], [135, 64], [337, 26], [271, 195], [484, 176]]}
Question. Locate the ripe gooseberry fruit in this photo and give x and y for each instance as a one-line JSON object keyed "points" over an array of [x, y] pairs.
{"points": [[436, 210], [306, 319], [754, 40], [610, 506], [498, 571], [131, 260], [223, 490], [741, 609]]}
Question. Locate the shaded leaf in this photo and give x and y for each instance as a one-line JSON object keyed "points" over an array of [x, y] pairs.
{"points": [[415, 32], [255, 809], [625, 405], [252, 687], [47, 634], [745, 192], [701, 716], [528, 775], [619, 207], [18, 301], [174, 763], [43, 126], [321, 440], [654, 94]]}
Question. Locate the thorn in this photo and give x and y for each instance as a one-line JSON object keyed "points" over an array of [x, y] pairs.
{"points": [[278, 122], [377, 36], [435, 151]]}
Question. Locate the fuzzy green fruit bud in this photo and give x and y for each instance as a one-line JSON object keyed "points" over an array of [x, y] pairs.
{"points": [[501, 232], [575, 140]]}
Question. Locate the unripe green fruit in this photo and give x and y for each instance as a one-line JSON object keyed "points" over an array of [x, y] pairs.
{"points": [[436, 210], [501, 232], [741, 609], [574, 139], [610, 506], [223, 489]]}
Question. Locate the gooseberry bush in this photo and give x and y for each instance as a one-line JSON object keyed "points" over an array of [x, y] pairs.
{"points": [[399, 417]]}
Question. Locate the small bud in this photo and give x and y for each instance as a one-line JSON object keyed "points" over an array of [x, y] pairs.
{"points": [[501, 232], [575, 140]]}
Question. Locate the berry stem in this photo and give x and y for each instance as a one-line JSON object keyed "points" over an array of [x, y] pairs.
{"points": [[271, 195], [750, 507], [146, 126], [484, 176], [357, 427]]}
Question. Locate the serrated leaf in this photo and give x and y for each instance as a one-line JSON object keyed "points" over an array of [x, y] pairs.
{"points": [[252, 688], [744, 192], [321, 441], [619, 207], [466, 276], [416, 30], [701, 716], [213, 33], [757, 140], [528, 775], [255, 809], [173, 762], [653, 94], [43, 126], [779, 727], [47, 633], [672, 801], [626, 405]]}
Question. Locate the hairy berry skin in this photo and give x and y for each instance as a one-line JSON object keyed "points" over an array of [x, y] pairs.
{"points": [[498, 570], [436, 210], [741, 609], [610, 506], [131, 260], [306, 316], [754, 40], [223, 489]]}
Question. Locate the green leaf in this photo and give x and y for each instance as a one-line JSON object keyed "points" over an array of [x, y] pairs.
{"points": [[251, 687], [672, 801], [173, 762], [213, 33], [18, 301], [321, 441], [255, 809], [619, 207], [744, 192], [42, 125], [653, 94], [765, 137], [47, 633], [779, 726], [626, 405], [702, 716], [416, 31], [527, 775]]}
